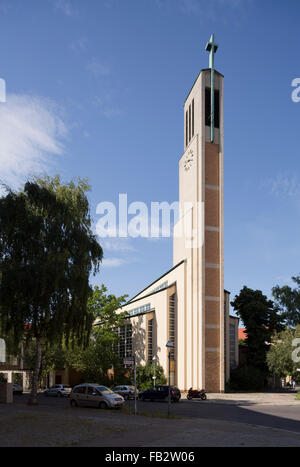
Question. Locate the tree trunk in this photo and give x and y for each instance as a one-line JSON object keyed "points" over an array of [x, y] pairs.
{"points": [[38, 358]]}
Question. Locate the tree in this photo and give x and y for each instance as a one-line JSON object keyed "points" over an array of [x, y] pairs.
{"points": [[47, 252], [103, 307], [53, 357], [101, 355], [283, 356], [261, 320], [145, 373], [288, 301]]}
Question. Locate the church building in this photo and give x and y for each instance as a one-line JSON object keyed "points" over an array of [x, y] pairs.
{"points": [[188, 305]]}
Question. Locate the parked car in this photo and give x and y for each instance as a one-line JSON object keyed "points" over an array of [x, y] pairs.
{"points": [[126, 391], [58, 390], [160, 393], [95, 395], [17, 389]]}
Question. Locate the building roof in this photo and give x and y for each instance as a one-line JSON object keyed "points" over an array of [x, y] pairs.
{"points": [[242, 333], [150, 285], [204, 69]]}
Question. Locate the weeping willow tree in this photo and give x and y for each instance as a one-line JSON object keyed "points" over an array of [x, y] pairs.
{"points": [[47, 253]]}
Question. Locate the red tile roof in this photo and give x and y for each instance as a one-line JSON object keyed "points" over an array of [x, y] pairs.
{"points": [[242, 333]]}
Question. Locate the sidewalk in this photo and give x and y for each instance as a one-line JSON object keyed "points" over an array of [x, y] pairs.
{"points": [[41, 426], [278, 399]]}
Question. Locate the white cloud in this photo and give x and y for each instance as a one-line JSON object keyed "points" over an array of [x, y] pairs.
{"points": [[31, 133], [117, 244], [284, 185], [79, 45], [97, 68], [106, 105], [64, 6], [113, 262], [212, 10]]}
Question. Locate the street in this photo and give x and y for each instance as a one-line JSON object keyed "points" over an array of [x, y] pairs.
{"points": [[229, 421], [283, 413]]}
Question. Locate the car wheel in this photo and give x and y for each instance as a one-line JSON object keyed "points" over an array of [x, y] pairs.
{"points": [[74, 403], [126, 397], [59, 394], [103, 405]]}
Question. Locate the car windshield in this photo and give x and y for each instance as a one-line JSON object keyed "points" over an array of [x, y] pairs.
{"points": [[104, 390]]}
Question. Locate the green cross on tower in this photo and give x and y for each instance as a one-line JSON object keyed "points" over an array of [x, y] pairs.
{"points": [[212, 48]]}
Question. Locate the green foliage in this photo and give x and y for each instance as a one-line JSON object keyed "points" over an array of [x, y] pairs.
{"points": [[246, 378], [100, 355], [53, 357], [288, 300], [261, 320], [47, 253], [94, 361], [103, 307], [145, 373], [279, 357], [3, 378]]}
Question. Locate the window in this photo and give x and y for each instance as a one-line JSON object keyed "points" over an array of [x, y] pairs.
{"points": [[80, 390], [186, 129], [190, 123], [141, 309], [150, 341], [124, 346], [172, 329], [160, 287], [193, 118], [104, 390], [208, 107]]}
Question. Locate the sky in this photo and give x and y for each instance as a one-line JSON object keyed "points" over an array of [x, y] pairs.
{"points": [[95, 88]]}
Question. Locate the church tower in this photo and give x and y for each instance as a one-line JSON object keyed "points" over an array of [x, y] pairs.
{"points": [[198, 236]]}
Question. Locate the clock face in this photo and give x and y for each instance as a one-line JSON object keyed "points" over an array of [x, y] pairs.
{"points": [[188, 161]]}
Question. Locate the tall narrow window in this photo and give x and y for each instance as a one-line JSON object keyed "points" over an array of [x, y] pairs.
{"points": [[124, 343], [150, 341], [208, 107], [193, 118], [190, 123], [186, 129], [172, 325]]}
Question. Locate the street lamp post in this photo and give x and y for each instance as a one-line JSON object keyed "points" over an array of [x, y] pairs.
{"points": [[169, 345], [154, 376]]}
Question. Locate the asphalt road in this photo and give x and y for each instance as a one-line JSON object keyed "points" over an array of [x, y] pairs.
{"points": [[273, 416]]}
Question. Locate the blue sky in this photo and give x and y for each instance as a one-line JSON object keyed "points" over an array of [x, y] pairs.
{"points": [[96, 88]]}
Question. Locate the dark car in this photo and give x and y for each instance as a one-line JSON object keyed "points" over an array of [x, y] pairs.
{"points": [[160, 393], [17, 389], [127, 392]]}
